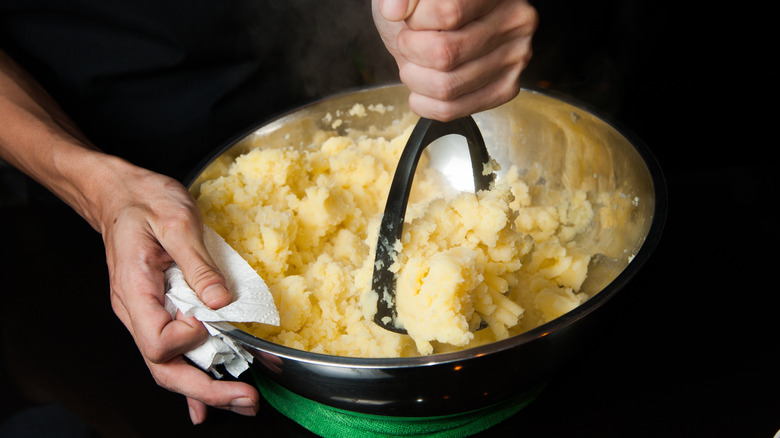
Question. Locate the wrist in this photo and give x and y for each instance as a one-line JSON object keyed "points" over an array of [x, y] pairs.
{"points": [[105, 188], [90, 178], [81, 176]]}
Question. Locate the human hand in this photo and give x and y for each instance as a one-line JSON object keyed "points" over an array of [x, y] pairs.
{"points": [[457, 57], [149, 222]]}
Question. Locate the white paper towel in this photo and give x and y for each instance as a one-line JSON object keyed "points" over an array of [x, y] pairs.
{"points": [[252, 302]]}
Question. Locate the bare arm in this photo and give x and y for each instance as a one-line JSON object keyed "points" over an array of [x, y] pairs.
{"points": [[147, 221]]}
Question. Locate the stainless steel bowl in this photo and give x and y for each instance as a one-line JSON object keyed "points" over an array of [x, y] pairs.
{"points": [[576, 149]]}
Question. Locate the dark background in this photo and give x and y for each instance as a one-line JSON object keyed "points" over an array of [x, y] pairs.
{"points": [[691, 350]]}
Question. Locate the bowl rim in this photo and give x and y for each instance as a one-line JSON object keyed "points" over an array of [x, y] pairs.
{"points": [[594, 303]]}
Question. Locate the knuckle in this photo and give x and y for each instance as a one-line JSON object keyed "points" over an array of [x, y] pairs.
{"points": [[211, 400], [168, 183], [116, 301], [202, 276], [156, 354], [160, 378], [532, 17], [444, 87], [436, 86], [507, 93], [449, 14], [504, 91], [526, 57], [441, 111], [526, 18], [446, 113], [444, 54], [176, 221]]}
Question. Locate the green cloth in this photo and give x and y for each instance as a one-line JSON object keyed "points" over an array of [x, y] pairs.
{"points": [[330, 422]]}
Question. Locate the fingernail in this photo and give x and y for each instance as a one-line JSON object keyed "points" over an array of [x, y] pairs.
{"points": [[243, 406], [214, 294], [194, 416]]}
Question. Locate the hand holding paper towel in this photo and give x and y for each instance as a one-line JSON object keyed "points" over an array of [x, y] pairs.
{"points": [[252, 302]]}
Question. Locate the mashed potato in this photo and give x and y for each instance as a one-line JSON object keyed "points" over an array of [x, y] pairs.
{"points": [[307, 220]]}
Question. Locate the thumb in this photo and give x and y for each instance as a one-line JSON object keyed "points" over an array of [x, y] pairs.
{"points": [[200, 271], [397, 10]]}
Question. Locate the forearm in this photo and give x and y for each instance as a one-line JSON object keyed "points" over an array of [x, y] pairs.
{"points": [[38, 138]]}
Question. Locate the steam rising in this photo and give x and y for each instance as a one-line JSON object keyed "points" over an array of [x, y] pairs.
{"points": [[327, 46]]}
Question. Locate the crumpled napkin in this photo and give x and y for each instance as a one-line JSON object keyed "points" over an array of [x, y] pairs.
{"points": [[252, 302]]}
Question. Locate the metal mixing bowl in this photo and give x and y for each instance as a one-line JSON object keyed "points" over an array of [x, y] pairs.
{"points": [[575, 149]]}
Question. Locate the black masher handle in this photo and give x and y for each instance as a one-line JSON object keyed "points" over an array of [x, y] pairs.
{"points": [[391, 228]]}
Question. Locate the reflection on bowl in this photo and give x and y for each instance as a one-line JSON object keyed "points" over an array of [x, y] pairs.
{"points": [[576, 150]]}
